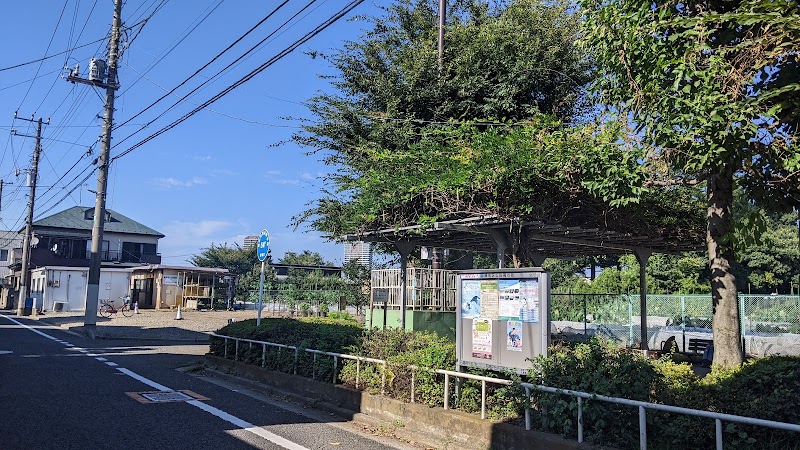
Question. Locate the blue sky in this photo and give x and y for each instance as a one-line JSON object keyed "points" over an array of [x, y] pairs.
{"points": [[225, 172]]}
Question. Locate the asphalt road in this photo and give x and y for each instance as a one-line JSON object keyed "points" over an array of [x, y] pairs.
{"points": [[62, 391]]}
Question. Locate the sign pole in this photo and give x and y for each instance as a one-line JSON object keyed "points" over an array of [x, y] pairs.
{"points": [[260, 295], [262, 250]]}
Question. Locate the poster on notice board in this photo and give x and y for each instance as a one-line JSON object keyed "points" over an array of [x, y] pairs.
{"points": [[470, 299], [482, 338], [514, 335]]}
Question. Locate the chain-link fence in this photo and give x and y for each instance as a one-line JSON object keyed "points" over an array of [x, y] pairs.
{"points": [[770, 323], [297, 302]]}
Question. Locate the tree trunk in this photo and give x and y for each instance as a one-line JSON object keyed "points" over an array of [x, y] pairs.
{"points": [[726, 325]]}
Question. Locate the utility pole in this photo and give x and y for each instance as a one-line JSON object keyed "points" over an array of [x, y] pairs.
{"points": [[2, 183], [97, 78], [24, 286]]}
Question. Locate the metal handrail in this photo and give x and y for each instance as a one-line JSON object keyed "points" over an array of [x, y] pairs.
{"points": [[641, 405]]}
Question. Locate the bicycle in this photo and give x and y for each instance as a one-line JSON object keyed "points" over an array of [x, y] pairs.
{"points": [[107, 307]]}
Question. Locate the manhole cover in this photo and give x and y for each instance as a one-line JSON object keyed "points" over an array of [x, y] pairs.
{"points": [[160, 397], [165, 396]]}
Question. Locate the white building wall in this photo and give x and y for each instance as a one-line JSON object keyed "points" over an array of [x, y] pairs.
{"points": [[67, 285]]}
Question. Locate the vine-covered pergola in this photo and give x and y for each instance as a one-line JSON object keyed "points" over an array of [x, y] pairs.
{"points": [[534, 241]]}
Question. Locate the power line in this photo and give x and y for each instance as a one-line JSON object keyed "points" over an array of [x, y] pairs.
{"points": [[80, 183], [175, 45], [333, 19], [45, 58], [230, 46], [229, 116], [253, 48], [46, 50]]}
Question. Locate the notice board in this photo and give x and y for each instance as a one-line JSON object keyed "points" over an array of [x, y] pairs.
{"points": [[503, 317]]}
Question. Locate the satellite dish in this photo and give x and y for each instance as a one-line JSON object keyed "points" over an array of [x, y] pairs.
{"points": [[34, 240], [55, 248]]}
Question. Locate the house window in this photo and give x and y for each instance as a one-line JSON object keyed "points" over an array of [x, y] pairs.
{"points": [[64, 247], [89, 215], [3, 255], [104, 253], [133, 251]]}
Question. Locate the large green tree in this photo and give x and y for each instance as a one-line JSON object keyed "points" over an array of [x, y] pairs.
{"points": [[507, 61], [711, 88], [304, 258], [772, 265]]}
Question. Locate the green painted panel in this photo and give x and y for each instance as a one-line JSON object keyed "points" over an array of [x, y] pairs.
{"points": [[441, 323]]}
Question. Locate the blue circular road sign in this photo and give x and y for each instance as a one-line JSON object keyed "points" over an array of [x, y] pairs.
{"points": [[262, 248]]}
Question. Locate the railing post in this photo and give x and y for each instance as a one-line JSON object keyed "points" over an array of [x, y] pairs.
{"points": [[483, 399], [314, 368], [225, 354], [642, 428], [527, 408], [263, 355], [446, 391], [718, 426], [580, 420], [358, 370], [383, 379], [296, 356], [413, 387], [335, 366], [236, 354]]}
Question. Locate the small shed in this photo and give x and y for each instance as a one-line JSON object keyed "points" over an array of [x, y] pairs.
{"points": [[159, 286]]}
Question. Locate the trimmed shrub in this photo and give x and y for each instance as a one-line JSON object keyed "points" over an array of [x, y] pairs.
{"points": [[595, 367], [401, 349], [319, 333]]}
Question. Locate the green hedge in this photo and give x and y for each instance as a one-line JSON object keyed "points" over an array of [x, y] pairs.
{"points": [[317, 333], [765, 388]]}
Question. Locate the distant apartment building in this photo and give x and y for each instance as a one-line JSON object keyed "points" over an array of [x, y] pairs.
{"points": [[359, 251], [250, 241]]}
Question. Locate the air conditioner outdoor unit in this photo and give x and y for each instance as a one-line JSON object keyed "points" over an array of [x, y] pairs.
{"points": [[56, 283]]}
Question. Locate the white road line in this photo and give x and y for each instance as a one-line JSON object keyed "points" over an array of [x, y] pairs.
{"points": [[144, 380], [243, 424], [30, 328], [112, 364], [100, 358], [247, 426]]}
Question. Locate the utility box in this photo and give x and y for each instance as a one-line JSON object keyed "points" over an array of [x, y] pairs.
{"points": [[27, 307], [503, 318]]}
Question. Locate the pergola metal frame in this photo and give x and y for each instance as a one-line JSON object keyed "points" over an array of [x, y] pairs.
{"points": [[542, 240]]}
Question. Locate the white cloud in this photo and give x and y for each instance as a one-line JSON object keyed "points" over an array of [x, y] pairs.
{"points": [[284, 181], [274, 176], [202, 158], [194, 231], [176, 183]]}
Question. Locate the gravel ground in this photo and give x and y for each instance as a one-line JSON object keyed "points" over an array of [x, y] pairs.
{"points": [[150, 324]]}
